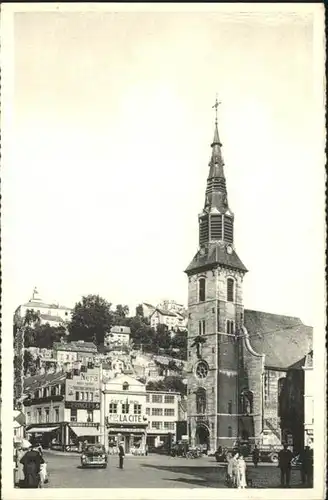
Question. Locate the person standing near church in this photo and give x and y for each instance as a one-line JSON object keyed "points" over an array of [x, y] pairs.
{"points": [[285, 457], [121, 455]]}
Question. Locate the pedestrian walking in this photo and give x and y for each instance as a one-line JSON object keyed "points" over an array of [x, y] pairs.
{"points": [[32, 461], [146, 449], [241, 473], [306, 459], [256, 456], [285, 457], [121, 455]]}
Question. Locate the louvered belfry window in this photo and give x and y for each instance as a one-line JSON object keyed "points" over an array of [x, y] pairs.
{"points": [[228, 229], [203, 230], [230, 289], [216, 227]]}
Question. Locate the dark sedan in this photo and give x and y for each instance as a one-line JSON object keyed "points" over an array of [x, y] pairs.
{"points": [[94, 455]]}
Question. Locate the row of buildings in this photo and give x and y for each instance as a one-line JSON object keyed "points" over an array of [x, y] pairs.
{"points": [[64, 409], [168, 313]]}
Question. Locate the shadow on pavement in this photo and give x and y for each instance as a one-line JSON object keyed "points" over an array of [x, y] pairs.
{"points": [[208, 476]]}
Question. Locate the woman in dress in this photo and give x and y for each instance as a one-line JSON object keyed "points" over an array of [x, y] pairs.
{"points": [[234, 470], [241, 473], [229, 469]]}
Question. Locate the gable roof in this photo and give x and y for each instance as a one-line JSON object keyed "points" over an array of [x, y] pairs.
{"points": [[44, 380], [284, 340], [215, 254], [164, 313], [121, 378]]}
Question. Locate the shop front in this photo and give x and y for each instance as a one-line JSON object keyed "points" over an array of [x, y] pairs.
{"points": [[128, 430]]}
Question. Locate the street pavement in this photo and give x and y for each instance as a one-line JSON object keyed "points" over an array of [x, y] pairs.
{"points": [[154, 471]]}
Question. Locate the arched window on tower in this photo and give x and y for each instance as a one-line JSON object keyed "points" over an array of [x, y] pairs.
{"points": [[201, 401], [125, 386], [230, 289], [246, 401], [201, 289]]}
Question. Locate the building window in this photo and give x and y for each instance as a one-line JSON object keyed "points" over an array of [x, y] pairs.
{"points": [[202, 369], [125, 386], [157, 412], [89, 415], [56, 414], [87, 396], [147, 411], [229, 431], [230, 290], [137, 409], [73, 414], [46, 411], [169, 426], [125, 408], [201, 289], [201, 401], [39, 415], [91, 396], [246, 401], [169, 412], [147, 398], [156, 425], [113, 408], [157, 398], [28, 417], [230, 407], [230, 327], [168, 399], [201, 327]]}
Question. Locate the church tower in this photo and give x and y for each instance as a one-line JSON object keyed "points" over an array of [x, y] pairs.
{"points": [[215, 316]]}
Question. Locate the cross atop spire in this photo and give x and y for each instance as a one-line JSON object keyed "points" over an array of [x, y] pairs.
{"points": [[216, 105]]}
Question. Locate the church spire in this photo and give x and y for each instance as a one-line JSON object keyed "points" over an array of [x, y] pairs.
{"points": [[216, 221]]}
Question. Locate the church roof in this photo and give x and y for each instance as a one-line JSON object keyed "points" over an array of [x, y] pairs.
{"points": [[216, 254], [284, 340]]}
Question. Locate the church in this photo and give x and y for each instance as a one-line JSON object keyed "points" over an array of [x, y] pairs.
{"points": [[245, 372]]}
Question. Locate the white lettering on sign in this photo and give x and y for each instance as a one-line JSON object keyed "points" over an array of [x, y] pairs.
{"points": [[136, 419], [124, 401], [89, 378]]}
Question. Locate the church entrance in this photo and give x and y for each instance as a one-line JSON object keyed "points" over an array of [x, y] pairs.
{"points": [[203, 437]]}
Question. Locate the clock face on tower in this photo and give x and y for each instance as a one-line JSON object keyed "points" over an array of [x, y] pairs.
{"points": [[229, 249]]}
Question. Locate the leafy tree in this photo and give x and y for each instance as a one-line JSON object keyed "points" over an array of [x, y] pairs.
{"points": [[30, 364], [92, 317], [139, 311]]}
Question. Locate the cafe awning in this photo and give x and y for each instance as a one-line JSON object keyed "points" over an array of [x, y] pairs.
{"points": [[42, 429], [85, 431]]}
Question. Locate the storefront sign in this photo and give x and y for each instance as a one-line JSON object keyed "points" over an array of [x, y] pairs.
{"points": [[124, 401], [121, 419], [82, 405]]}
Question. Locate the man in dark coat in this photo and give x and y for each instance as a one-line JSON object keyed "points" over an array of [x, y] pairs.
{"points": [[121, 455], [285, 457], [256, 456], [32, 461], [306, 457]]}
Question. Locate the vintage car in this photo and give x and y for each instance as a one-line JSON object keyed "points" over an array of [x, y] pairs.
{"points": [[94, 455]]}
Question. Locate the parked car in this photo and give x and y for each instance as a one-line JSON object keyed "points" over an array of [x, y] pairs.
{"points": [[94, 455]]}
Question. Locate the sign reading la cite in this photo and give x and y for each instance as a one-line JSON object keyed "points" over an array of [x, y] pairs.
{"points": [[124, 419]]}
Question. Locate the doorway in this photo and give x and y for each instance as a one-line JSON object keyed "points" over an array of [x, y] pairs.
{"points": [[202, 436]]}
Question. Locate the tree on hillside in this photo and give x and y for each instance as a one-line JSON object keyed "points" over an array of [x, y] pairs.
{"points": [[92, 317], [142, 335], [139, 311]]}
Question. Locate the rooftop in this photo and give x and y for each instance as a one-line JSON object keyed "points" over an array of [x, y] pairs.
{"points": [[44, 380], [284, 340], [77, 346]]}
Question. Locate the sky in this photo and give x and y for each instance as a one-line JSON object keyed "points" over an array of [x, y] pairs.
{"points": [[112, 126]]}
